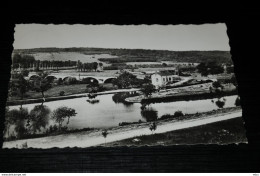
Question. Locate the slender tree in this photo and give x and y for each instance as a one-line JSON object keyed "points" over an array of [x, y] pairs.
{"points": [[153, 127], [61, 113], [18, 119], [23, 86], [95, 65], [148, 89], [42, 84], [9, 120], [39, 117], [104, 134]]}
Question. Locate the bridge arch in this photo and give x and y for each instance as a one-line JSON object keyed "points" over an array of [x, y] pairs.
{"points": [[88, 80], [33, 77], [109, 80], [51, 78], [65, 78]]}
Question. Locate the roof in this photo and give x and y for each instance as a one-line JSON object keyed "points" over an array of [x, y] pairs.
{"points": [[166, 73]]}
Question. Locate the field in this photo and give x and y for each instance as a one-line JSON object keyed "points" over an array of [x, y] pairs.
{"points": [[55, 91], [72, 56], [224, 132]]}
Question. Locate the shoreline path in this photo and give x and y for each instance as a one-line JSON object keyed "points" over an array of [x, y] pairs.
{"points": [[94, 138]]}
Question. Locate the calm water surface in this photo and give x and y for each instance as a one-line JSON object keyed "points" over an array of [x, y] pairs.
{"points": [[107, 113]]}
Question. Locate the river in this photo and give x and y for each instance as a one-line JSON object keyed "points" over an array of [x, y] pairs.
{"points": [[106, 113]]}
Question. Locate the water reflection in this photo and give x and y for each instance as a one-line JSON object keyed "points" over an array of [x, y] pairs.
{"points": [[39, 118], [15, 120], [20, 123], [149, 114], [94, 101], [109, 112], [220, 102], [120, 98]]}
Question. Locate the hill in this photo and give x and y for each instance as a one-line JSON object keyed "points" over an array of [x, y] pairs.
{"points": [[126, 55]]}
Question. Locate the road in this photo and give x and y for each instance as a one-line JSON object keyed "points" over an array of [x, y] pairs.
{"points": [[88, 139]]}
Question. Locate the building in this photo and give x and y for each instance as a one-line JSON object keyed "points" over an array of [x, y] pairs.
{"points": [[162, 78]]}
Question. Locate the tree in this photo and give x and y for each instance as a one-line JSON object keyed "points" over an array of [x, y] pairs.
{"points": [[95, 65], [42, 84], [124, 80], [178, 114], [148, 89], [230, 69], [210, 89], [104, 134], [146, 80], [39, 117], [202, 69], [18, 119], [8, 121], [17, 58], [149, 114], [22, 85], [79, 65], [60, 81], [220, 103], [164, 64], [100, 66], [234, 81], [216, 84], [18, 84], [25, 73], [237, 102], [61, 113], [209, 68], [215, 68], [153, 127]]}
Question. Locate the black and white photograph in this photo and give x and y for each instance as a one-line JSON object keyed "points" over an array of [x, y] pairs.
{"points": [[122, 85]]}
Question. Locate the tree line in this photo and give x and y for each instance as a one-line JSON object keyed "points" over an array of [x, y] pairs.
{"points": [[90, 66], [206, 68], [28, 61], [30, 123]]}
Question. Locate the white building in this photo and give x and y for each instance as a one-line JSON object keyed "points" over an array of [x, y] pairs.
{"points": [[162, 78]]}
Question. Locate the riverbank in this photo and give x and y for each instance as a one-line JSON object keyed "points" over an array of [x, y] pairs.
{"points": [[224, 132], [194, 92], [93, 138], [56, 98]]}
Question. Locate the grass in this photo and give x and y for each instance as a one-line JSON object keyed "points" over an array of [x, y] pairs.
{"points": [[54, 91], [224, 132]]}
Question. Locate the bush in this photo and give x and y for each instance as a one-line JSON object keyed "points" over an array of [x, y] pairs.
{"points": [[149, 114], [178, 114], [70, 80], [166, 116], [216, 84], [62, 93], [169, 116]]}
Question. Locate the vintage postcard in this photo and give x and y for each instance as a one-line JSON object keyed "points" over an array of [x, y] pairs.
{"points": [[130, 85]]}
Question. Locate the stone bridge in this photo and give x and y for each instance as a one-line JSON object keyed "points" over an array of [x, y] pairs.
{"points": [[98, 79]]}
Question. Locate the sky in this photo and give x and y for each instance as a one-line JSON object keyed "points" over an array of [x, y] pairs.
{"points": [[161, 37]]}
